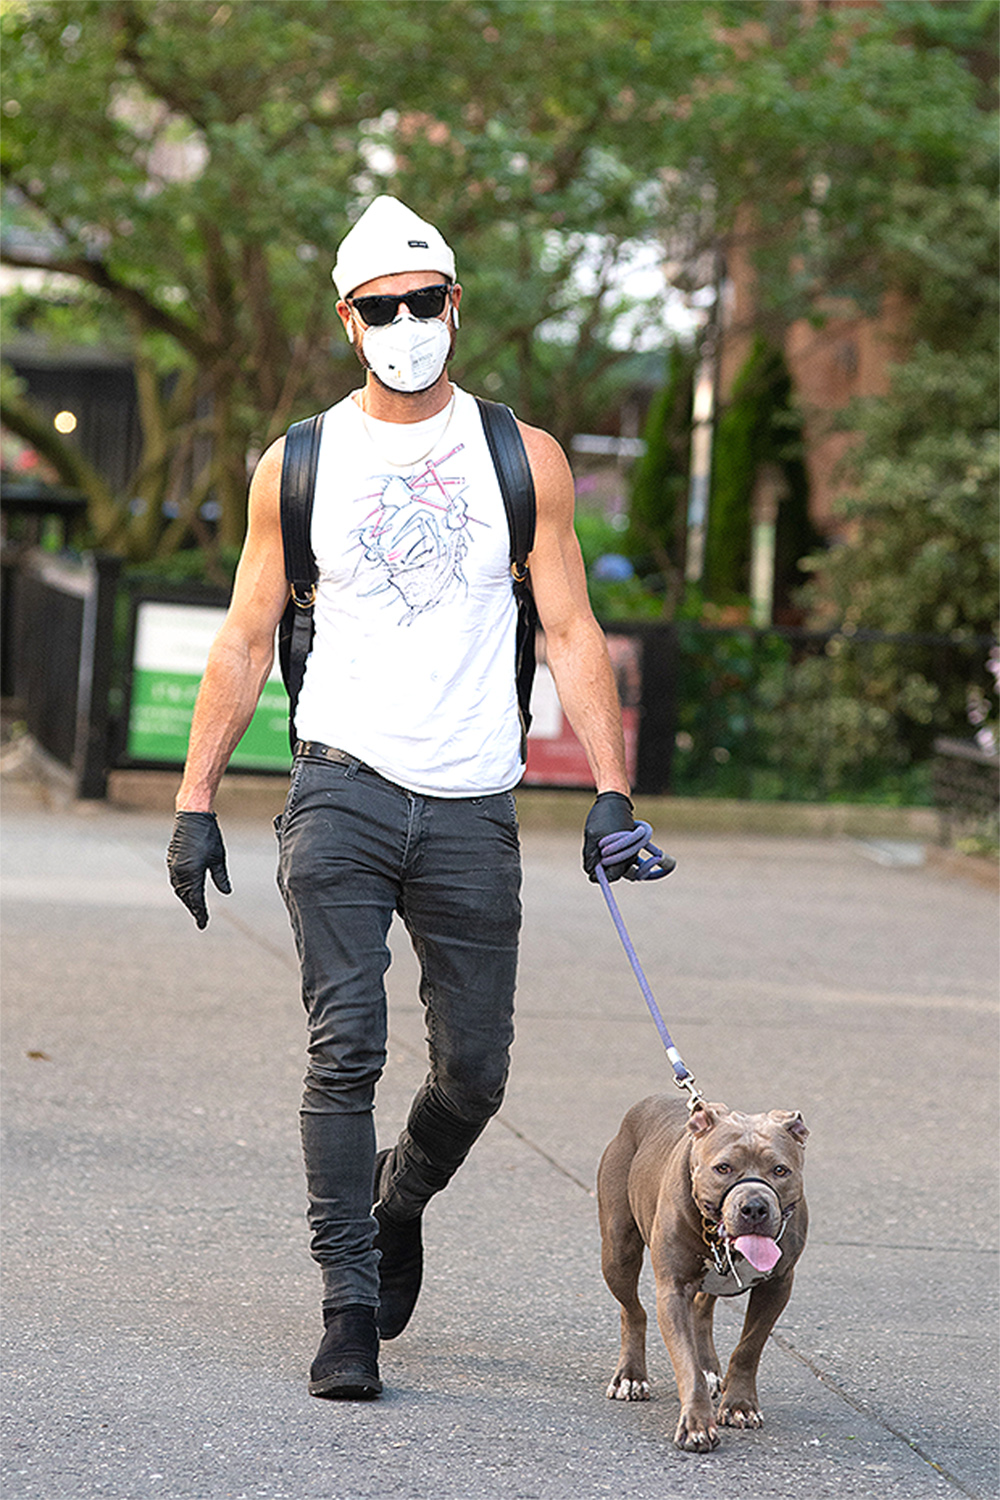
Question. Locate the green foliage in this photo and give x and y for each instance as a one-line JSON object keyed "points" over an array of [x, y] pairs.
{"points": [[830, 723], [924, 550], [924, 478], [624, 599], [921, 514], [814, 718], [190, 166], [846, 111], [742, 432], [188, 565], [195, 165], [597, 535], [658, 487], [758, 426], [717, 736], [920, 521]]}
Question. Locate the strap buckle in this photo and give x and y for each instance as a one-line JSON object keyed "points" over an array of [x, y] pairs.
{"points": [[308, 599]]}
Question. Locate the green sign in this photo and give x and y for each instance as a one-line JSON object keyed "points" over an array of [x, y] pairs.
{"points": [[172, 643]]}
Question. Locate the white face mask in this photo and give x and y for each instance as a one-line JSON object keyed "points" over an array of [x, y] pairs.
{"points": [[409, 354]]}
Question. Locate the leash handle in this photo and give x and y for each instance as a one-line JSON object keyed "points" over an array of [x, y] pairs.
{"points": [[630, 845]]}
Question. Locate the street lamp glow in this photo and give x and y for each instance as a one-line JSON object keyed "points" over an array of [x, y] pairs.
{"points": [[64, 422]]}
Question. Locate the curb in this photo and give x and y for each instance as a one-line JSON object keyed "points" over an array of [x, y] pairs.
{"points": [[248, 797]]}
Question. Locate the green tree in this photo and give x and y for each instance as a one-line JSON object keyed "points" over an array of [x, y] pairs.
{"points": [[829, 118], [854, 151], [758, 426], [920, 509], [919, 515], [923, 551], [191, 166], [657, 516]]}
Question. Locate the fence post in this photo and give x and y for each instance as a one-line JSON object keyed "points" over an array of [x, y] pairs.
{"points": [[658, 720], [90, 752]]}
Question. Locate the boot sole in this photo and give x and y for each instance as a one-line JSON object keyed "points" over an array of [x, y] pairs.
{"points": [[348, 1385]]}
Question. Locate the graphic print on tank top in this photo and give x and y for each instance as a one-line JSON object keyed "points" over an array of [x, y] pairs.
{"points": [[414, 539]]}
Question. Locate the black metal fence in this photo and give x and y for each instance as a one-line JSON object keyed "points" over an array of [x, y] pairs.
{"points": [[967, 792], [740, 713], [59, 618]]}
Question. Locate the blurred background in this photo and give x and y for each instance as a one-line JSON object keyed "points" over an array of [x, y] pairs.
{"points": [[740, 258]]}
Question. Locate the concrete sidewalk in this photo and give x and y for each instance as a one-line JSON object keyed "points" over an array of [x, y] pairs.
{"points": [[160, 1306]]}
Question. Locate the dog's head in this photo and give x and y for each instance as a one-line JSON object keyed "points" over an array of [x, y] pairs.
{"points": [[746, 1170]]}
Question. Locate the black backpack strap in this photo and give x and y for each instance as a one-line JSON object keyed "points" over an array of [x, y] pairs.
{"points": [[518, 489], [298, 484], [298, 487], [514, 473]]}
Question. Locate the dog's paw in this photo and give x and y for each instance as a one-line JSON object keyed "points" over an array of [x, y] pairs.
{"points": [[734, 1413], [695, 1435], [622, 1388]]}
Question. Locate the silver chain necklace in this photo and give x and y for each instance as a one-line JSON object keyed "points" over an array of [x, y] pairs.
{"points": [[407, 463]]}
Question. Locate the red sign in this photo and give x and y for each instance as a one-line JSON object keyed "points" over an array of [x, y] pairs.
{"points": [[555, 755]]}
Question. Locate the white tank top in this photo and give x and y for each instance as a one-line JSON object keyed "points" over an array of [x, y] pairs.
{"points": [[412, 664]]}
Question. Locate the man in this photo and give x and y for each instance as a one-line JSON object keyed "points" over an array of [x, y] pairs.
{"points": [[408, 747]]}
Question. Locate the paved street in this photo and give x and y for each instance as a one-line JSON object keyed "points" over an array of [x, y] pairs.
{"points": [[160, 1306]]}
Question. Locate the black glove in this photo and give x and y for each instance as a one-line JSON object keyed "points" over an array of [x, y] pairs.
{"points": [[195, 847], [611, 813]]}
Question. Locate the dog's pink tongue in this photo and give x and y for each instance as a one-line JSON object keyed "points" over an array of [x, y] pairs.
{"points": [[762, 1253]]}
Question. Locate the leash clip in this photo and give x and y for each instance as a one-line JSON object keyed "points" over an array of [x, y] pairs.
{"points": [[695, 1096]]}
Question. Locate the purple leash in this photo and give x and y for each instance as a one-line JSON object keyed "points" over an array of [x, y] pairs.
{"points": [[615, 849]]}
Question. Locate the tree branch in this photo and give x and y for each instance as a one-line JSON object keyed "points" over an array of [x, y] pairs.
{"points": [[88, 268]]}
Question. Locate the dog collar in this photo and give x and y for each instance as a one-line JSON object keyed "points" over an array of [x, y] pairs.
{"points": [[728, 1273]]}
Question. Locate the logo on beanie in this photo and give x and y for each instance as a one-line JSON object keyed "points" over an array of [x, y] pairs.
{"points": [[418, 244]]}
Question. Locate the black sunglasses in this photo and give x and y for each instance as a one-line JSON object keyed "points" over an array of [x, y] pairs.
{"points": [[425, 302]]}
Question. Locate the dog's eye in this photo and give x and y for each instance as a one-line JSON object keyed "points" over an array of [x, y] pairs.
{"points": [[723, 1168], [782, 1171]]}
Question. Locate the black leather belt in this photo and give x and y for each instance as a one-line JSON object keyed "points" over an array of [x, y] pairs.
{"points": [[319, 751]]}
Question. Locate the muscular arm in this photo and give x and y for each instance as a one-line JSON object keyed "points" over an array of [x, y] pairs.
{"points": [[243, 651], [576, 650]]}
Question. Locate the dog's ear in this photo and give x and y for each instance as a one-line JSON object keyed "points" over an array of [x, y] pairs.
{"points": [[702, 1119], [793, 1123]]}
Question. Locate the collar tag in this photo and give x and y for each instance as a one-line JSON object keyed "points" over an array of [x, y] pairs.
{"points": [[729, 1275]]}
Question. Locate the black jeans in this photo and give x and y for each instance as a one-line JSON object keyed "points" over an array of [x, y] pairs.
{"points": [[354, 849]]}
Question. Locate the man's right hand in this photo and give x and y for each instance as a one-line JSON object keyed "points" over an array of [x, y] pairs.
{"points": [[611, 813], [195, 848]]}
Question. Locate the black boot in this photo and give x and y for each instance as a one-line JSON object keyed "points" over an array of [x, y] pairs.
{"points": [[401, 1266], [346, 1363]]}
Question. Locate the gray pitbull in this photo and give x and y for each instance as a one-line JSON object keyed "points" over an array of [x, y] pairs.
{"points": [[717, 1196]]}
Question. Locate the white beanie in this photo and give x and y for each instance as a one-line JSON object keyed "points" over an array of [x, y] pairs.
{"points": [[387, 239]]}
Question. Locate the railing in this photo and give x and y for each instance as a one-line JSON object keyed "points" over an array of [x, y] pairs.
{"points": [[61, 619], [733, 713], [967, 790]]}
